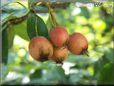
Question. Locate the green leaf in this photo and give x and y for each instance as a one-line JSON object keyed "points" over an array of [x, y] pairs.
{"points": [[4, 46], [79, 60], [106, 76], [109, 55], [14, 81], [13, 13], [11, 35], [85, 12], [36, 74], [41, 27], [59, 75], [98, 66], [31, 21], [21, 30], [49, 23], [74, 78], [30, 2], [16, 9], [7, 16]]}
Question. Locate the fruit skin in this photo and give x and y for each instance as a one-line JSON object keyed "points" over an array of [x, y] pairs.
{"points": [[40, 48], [77, 43], [59, 36], [59, 54]]}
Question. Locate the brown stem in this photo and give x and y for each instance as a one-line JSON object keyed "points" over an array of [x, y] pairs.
{"points": [[17, 20]]}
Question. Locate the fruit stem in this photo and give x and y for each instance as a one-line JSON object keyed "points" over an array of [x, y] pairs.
{"points": [[51, 15], [59, 63], [86, 53]]}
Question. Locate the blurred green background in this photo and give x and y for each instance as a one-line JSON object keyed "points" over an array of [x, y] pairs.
{"points": [[96, 22]]}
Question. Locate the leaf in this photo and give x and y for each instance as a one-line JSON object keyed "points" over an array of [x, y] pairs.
{"points": [[15, 9], [98, 65], [58, 77], [31, 21], [36, 74], [30, 2], [12, 14], [4, 46], [106, 76], [11, 35], [7, 16], [79, 60], [15, 81], [21, 30], [85, 12], [74, 78], [49, 23], [6, 2], [41, 27], [109, 55]]}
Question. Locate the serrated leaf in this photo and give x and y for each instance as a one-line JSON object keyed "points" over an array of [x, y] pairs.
{"points": [[41, 27], [31, 21], [4, 46]]}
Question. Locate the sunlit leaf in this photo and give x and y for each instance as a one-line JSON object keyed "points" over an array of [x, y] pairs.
{"points": [[49, 23], [10, 11], [21, 30]]}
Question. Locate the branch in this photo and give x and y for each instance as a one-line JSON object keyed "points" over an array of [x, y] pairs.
{"points": [[18, 20]]}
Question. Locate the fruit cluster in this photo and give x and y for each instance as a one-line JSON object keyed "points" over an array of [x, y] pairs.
{"points": [[56, 48]]}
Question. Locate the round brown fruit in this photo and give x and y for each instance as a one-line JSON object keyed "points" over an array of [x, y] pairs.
{"points": [[40, 48], [59, 36], [77, 43], [59, 54]]}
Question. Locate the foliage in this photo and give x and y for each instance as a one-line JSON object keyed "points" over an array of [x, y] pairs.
{"points": [[22, 22]]}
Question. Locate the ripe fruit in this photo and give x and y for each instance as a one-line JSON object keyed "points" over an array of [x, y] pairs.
{"points": [[40, 48], [77, 43], [59, 54], [58, 36]]}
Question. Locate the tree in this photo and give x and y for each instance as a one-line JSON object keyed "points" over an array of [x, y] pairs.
{"points": [[36, 18]]}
